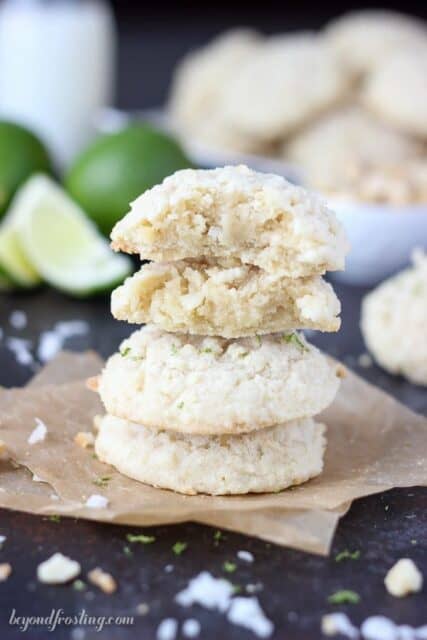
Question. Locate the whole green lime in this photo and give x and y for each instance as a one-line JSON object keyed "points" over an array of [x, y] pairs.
{"points": [[21, 155], [118, 167]]}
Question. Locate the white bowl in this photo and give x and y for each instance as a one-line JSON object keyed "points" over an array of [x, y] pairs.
{"points": [[382, 238]]}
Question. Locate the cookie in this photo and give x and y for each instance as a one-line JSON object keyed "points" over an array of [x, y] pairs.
{"points": [[234, 212], [224, 299], [349, 137], [290, 80], [397, 91], [200, 77], [267, 460], [394, 322], [194, 384], [363, 39]]}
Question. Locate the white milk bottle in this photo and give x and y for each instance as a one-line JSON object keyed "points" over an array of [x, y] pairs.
{"points": [[56, 68]]}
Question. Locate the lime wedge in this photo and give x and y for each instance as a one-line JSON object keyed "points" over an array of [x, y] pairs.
{"points": [[5, 283], [14, 265], [61, 243]]}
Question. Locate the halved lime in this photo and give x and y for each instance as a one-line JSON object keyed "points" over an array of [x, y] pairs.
{"points": [[14, 265], [5, 283], [62, 244]]}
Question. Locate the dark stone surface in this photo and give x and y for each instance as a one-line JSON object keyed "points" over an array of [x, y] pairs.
{"points": [[295, 585]]}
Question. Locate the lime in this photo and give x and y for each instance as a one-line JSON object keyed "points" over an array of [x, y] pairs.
{"points": [[14, 265], [5, 283], [61, 244], [118, 167], [21, 155]]}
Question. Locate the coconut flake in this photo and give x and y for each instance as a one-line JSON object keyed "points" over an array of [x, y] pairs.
{"points": [[39, 433], [403, 578], [18, 319], [21, 349], [379, 628], [246, 556], [247, 612], [2, 540], [338, 623], [97, 501], [52, 341], [167, 629], [58, 569], [191, 628], [209, 592]]}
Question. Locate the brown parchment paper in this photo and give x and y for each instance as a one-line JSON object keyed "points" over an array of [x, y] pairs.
{"points": [[374, 443]]}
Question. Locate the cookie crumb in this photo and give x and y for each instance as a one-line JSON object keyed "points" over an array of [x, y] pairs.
{"points": [[5, 571], [403, 578], [85, 439], [58, 569], [4, 455], [102, 580]]}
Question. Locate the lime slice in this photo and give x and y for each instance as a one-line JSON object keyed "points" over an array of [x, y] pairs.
{"points": [[14, 265], [62, 244], [5, 283]]}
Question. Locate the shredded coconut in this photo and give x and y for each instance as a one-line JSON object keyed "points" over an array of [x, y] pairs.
{"points": [[39, 433], [52, 341], [373, 628], [167, 629], [379, 628], [247, 612], [21, 349], [18, 319], [209, 592], [338, 623], [58, 569], [96, 501], [191, 628], [247, 556]]}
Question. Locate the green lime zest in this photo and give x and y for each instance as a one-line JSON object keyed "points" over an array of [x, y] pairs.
{"points": [[179, 547], [344, 596], [140, 537], [347, 555], [293, 338]]}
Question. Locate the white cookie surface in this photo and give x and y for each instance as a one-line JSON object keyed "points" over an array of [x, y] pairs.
{"points": [[224, 299], [363, 39], [195, 384], [348, 137], [289, 81], [267, 460], [234, 212], [397, 91]]}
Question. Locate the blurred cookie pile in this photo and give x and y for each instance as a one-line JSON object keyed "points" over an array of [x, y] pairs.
{"points": [[394, 321], [347, 104], [218, 393]]}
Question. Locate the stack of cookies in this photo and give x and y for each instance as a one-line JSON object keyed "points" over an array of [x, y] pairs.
{"points": [[217, 393]]}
